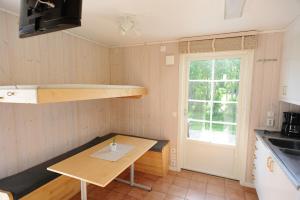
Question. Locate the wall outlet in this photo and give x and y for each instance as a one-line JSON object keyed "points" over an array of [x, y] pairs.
{"points": [[270, 122], [173, 163], [173, 150], [270, 119]]}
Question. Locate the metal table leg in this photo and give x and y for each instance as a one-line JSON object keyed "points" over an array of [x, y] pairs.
{"points": [[131, 182], [83, 190]]}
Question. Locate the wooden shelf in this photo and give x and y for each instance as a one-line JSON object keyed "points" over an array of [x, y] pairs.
{"points": [[38, 94]]}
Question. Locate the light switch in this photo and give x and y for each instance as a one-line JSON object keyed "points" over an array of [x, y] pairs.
{"points": [[170, 60]]}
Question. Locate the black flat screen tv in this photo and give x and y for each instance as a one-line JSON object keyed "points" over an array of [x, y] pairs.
{"points": [[45, 16]]}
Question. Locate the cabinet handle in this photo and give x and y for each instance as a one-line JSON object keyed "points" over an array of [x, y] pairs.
{"points": [[270, 164], [10, 94]]}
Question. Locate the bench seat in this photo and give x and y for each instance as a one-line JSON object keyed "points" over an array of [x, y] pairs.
{"points": [[19, 185], [29, 180]]}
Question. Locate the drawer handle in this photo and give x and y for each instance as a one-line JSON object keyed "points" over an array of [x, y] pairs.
{"points": [[270, 164], [10, 94]]}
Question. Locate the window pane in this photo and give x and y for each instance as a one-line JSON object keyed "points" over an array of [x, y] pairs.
{"points": [[199, 91], [201, 70], [199, 131], [224, 128], [199, 110], [227, 69], [224, 112], [226, 91]]}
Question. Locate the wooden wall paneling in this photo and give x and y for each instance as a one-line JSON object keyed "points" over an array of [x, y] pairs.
{"points": [[8, 141], [265, 88], [170, 95], [31, 134], [4, 62], [155, 115]]}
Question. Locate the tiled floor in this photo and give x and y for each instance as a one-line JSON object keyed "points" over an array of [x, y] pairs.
{"points": [[183, 185]]}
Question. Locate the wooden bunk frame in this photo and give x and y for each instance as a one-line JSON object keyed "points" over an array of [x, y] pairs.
{"points": [[39, 94]]}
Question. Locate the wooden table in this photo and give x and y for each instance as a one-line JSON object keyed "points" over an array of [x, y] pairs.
{"points": [[100, 172]]}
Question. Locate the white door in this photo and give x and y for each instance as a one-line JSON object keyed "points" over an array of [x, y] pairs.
{"points": [[212, 105]]}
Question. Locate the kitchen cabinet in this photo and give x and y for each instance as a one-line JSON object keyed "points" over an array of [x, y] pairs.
{"points": [[270, 181], [290, 81]]}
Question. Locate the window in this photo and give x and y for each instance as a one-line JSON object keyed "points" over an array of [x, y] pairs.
{"points": [[213, 100]]}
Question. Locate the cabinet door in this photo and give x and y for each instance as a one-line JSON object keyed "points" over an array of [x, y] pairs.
{"points": [[270, 181], [290, 81]]}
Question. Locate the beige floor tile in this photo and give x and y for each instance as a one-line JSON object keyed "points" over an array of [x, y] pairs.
{"points": [[177, 191], [193, 194], [185, 185], [138, 193], [166, 179], [198, 185], [234, 194], [122, 188], [213, 197], [161, 187], [200, 177], [250, 196], [172, 197], [182, 182], [153, 195], [216, 180], [114, 196], [233, 184], [217, 190]]}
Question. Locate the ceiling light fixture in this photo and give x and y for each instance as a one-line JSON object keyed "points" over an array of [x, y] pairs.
{"points": [[234, 8], [128, 24]]}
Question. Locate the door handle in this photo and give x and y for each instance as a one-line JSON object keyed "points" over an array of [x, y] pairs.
{"points": [[270, 164]]}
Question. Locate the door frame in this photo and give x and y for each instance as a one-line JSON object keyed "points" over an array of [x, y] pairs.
{"points": [[244, 101]]}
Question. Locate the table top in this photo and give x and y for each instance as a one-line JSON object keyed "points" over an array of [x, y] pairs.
{"points": [[100, 172]]}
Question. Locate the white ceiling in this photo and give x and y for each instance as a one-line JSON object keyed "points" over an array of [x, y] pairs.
{"points": [[161, 20]]}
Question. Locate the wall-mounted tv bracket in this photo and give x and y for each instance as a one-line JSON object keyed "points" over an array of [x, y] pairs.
{"points": [[50, 4]]}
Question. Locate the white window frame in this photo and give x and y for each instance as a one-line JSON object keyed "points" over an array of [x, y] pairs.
{"points": [[245, 103]]}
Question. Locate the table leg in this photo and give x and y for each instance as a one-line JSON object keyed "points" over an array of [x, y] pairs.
{"points": [[131, 182], [83, 190]]}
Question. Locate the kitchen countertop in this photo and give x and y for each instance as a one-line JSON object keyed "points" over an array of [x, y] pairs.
{"points": [[289, 163]]}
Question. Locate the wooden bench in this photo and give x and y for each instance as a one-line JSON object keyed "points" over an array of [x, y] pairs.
{"points": [[154, 162], [37, 183]]}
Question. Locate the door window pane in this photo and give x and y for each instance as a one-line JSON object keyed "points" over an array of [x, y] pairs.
{"points": [[199, 130], [224, 129], [224, 112], [199, 91], [201, 70], [226, 91], [199, 111]]}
